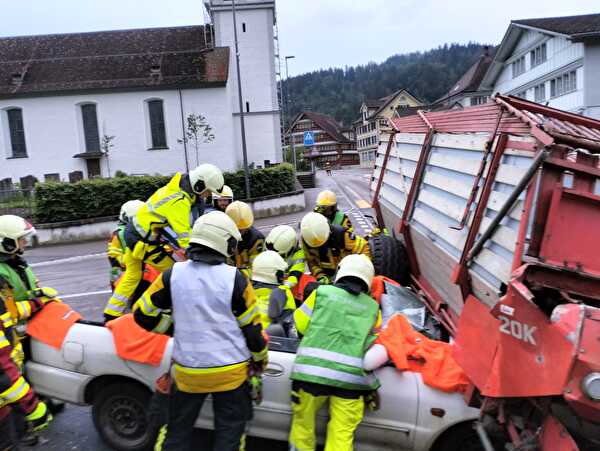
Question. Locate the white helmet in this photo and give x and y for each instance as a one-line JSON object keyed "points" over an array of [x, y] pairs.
{"points": [[314, 229], [217, 231], [226, 193], [241, 213], [356, 265], [206, 177], [282, 239], [268, 267], [129, 209], [12, 228]]}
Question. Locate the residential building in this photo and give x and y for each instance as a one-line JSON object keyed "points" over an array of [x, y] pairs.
{"points": [[60, 95], [466, 91], [332, 142], [373, 121], [554, 61]]}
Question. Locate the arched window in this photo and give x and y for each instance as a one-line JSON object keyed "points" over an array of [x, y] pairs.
{"points": [[16, 132], [89, 119]]}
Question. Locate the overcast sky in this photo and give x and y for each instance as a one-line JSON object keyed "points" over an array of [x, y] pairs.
{"points": [[319, 33]]}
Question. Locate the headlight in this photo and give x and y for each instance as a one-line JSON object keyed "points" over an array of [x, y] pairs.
{"points": [[590, 385]]}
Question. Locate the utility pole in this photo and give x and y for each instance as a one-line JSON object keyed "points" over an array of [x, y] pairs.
{"points": [[242, 125], [293, 150]]}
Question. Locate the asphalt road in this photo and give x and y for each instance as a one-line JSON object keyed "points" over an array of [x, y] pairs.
{"points": [[80, 273]]}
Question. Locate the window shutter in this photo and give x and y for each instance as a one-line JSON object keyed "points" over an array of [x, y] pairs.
{"points": [[90, 128], [17, 132], [157, 123]]}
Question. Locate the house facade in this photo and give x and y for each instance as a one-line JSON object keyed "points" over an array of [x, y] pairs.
{"points": [[554, 61], [373, 121], [63, 96], [333, 144]]}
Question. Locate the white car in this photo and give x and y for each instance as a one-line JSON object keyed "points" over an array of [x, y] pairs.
{"points": [[86, 370]]}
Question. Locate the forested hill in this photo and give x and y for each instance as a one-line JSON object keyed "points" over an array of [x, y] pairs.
{"points": [[339, 92]]}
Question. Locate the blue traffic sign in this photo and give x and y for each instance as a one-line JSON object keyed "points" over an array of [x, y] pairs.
{"points": [[309, 138]]}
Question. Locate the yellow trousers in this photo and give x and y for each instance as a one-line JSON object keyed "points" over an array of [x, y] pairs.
{"points": [[344, 417], [134, 260]]}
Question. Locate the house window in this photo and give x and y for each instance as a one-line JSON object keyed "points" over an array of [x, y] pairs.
{"points": [[539, 93], [89, 119], [518, 67], [478, 100], [157, 124], [538, 55], [17, 132], [247, 107], [563, 84], [244, 27], [522, 95]]}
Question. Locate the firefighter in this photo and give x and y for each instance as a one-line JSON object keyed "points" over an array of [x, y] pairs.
{"points": [[253, 241], [116, 245], [217, 335], [327, 206], [284, 240], [275, 302], [220, 202], [327, 370], [325, 245], [146, 236]]}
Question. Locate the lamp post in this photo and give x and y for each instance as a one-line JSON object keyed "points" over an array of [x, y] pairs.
{"points": [[293, 150], [242, 125]]}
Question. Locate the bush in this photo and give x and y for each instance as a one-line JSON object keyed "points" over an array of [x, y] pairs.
{"points": [[57, 202]]}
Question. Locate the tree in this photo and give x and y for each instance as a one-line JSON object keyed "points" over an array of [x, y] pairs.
{"points": [[105, 146], [197, 131]]}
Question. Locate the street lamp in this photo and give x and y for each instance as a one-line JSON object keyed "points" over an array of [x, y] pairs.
{"points": [[289, 57]]}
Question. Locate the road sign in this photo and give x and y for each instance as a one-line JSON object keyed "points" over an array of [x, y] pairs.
{"points": [[309, 138]]}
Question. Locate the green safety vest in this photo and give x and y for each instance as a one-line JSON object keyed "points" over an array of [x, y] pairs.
{"points": [[338, 218], [339, 333], [121, 236], [17, 285]]}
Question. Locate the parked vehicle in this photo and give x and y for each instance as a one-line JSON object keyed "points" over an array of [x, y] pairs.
{"points": [[496, 208], [86, 370]]}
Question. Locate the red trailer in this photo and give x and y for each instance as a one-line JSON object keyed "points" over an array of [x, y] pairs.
{"points": [[498, 207]]}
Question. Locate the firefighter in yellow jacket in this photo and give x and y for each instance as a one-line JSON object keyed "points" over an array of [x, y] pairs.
{"points": [[327, 206], [253, 241], [146, 236], [216, 332], [284, 240], [325, 245], [116, 244]]}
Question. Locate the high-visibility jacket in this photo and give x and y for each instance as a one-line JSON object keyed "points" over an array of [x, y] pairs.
{"points": [[337, 363], [296, 268], [340, 218], [252, 244], [168, 206], [272, 301], [323, 260], [116, 247]]}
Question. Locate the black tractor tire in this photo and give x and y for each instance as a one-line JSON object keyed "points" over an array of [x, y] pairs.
{"points": [[459, 438], [389, 258], [120, 414]]}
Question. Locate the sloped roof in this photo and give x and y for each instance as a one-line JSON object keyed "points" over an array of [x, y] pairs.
{"points": [[120, 59], [327, 123], [471, 79], [574, 26]]}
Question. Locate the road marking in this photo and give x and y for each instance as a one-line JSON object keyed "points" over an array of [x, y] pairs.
{"points": [[361, 203], [89, 293], [77, 258]]}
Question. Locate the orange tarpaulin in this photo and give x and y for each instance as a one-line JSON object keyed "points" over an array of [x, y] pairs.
{"points": [[51, 324], [410, 350], [135, 343]]}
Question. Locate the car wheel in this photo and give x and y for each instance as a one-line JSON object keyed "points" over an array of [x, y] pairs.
{"points": [[389, 258], [460, 438], [120, 416]]}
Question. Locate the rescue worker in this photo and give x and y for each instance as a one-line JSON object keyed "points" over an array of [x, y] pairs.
{"points": [[327, 370], [284, 240], [325, 245], [146, 236], [275, 302], [253, 241], [217, 335], [116, 245], [327, 206], [221, 201]]}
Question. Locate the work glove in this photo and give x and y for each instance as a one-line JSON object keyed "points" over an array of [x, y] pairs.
{"points": [[373, 401], [323, 280], [45, 294], [259, 362], [39, 419]]}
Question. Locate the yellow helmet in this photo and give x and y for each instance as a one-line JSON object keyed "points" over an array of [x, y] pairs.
{"points": [[282, 239], [356, 265], [241, 213], [326, 198], [268, 267], [314, 229], [217, 231]]}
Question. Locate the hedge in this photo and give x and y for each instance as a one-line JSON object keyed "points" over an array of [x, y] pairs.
{"points": [[58, 201]]}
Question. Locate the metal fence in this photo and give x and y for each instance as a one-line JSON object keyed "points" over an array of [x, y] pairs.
{"points": [[17, 202]]}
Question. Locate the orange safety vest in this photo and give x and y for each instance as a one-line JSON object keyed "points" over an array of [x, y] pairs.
{"points": [[51, 324], [135, 343]]}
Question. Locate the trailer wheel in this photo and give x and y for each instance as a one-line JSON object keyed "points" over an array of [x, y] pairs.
{"points": [[389, 258], [120, 416]]}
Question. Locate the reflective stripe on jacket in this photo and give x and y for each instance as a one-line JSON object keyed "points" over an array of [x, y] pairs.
{"points": [[296, 267], [272, 301], [338, 363]]}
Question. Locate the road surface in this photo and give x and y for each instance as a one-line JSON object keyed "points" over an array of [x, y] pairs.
{"points": [[80, 273]]}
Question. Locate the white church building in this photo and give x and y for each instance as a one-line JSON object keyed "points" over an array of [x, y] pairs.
{"points": [[60, 95]]}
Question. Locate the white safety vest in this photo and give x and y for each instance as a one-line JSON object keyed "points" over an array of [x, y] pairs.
{"points": [[207, 333]]}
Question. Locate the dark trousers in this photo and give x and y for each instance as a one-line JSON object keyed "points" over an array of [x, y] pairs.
{"points": [[232, 410], [8, 434]]}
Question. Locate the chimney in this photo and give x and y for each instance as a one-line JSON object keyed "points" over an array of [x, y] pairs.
{"points": [[486, 50], [155, 70], [17, 79]]}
